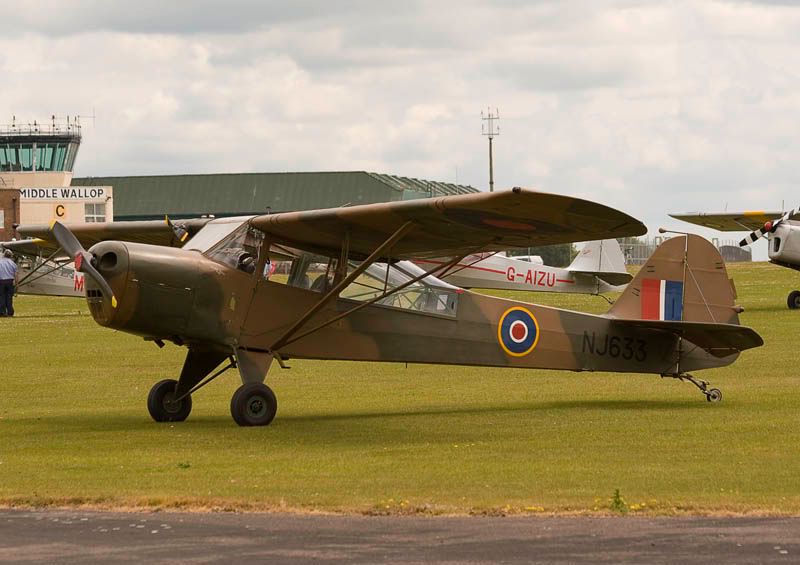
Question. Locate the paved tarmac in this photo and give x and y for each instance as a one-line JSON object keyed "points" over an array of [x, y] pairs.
{"points": [[73, 536]]}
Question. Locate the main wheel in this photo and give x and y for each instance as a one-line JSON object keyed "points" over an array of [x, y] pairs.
{"points": [[794, 300], [253, 404], [714, 395], [161, 404]]}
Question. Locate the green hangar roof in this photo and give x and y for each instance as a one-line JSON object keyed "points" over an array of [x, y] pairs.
{"points": [[185, 196]]}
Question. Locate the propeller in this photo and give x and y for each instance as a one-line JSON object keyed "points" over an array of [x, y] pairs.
{"points": [[180, 231], [82, 258], [768, 227]]}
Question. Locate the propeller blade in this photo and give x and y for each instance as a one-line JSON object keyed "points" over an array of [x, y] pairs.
{"points": [[753, 236], [768, 227], [785, 216], [66, 239], [181, 233], [82, 258]]}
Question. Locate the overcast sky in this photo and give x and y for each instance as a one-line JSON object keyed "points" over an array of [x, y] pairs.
{"points": [[646, 106]]}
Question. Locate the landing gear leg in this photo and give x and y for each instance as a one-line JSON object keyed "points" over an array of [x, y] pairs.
{"points": [[162, 403], [712, 394], [170, 400], [253, 403]]}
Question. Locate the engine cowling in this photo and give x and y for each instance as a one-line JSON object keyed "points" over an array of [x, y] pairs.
{"points": [[166, 293], [784, 243]]}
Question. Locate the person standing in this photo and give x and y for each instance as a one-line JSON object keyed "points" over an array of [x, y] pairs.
{"points": [[8, 273]]}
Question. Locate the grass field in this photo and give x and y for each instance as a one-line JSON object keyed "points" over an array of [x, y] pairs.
{"points": [[74, 428]]}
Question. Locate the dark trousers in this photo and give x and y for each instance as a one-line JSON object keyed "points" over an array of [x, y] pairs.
{"points": [[7, 297]]}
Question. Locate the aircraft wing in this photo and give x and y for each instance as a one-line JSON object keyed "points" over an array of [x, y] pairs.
{"points": [[729, 221], [29, 247], [451, 225], [154, 232], [720, 340]]}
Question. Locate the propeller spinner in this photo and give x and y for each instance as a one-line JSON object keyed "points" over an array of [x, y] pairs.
{"points": [[768, 227], [82, 258]]}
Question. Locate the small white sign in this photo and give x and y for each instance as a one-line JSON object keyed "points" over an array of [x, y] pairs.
{"points": [[63, 193]]}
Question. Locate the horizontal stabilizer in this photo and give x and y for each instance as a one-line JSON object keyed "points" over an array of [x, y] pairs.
{"points": [[614, 279], [720, 340]]}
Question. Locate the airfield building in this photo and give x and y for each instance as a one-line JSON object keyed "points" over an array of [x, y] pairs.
{"points": [[36, 164], [190, 196]]}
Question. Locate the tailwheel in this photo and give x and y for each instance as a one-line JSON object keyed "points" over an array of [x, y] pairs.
{"points": [[162, 405], [253, 404], [793, 301], [712, 394]]}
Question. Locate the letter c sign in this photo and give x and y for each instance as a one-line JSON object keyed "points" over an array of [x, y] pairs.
{"points": [[61, 211]]}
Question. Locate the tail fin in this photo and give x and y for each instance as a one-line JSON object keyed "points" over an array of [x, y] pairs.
{"points": [[604, 260], [684, 280]]}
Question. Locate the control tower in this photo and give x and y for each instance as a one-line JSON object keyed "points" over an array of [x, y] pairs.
{"points": [[36, 163], [35, 154]]}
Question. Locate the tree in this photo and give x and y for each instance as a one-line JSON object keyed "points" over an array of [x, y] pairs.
{"points": [[559, 255]]}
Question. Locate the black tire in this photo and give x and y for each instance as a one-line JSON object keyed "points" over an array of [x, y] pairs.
{"points": [[793, 302], [160, 405], [714, 395], [254, 404]]}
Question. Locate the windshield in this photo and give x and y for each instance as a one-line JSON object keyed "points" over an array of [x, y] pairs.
{"points": [[214, 232], [240, 250]]}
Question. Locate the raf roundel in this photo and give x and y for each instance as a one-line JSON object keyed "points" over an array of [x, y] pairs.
{"points": [[518, 331]]}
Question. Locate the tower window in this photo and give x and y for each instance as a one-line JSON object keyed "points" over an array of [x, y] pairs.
{"points": [[95, 212]]}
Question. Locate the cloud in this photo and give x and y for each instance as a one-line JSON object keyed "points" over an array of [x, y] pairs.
{"points": [[57, 18], [647, 106]]}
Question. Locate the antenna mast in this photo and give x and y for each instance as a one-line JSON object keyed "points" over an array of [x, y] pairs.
{"points": [[490, 129]]}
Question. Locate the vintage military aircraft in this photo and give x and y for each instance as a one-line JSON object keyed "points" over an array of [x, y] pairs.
{"points": [[781, 231], [212, 296], [598, 268]]}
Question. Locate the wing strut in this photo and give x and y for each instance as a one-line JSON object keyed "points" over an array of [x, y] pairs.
{"points": [[334, 292], [40, 266]]}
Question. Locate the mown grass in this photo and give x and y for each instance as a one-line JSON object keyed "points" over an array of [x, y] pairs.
{"points": [[371, 437]]}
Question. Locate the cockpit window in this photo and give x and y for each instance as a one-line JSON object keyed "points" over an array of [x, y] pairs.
{"points": [[388, 285], [429, 295], [214, 232], [239, 250]]}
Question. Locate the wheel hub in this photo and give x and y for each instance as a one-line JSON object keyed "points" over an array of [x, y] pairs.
{"points": [[169, 403], [256, 406]]}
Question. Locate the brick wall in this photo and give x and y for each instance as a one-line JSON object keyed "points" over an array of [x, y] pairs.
{"points": [[9, 204]]}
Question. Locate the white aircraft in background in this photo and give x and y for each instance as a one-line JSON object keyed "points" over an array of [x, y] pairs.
{"points": [[782, 233], [35, 275], [598, 268]]}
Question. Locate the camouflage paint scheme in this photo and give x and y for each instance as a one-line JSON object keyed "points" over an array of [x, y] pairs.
{"points": [[219, 312]]}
